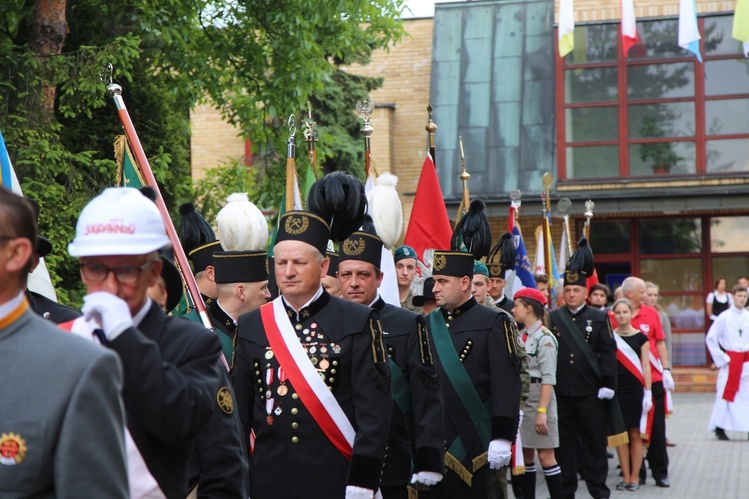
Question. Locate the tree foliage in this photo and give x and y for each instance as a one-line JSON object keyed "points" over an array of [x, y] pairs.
{"points": [[255, 60]]}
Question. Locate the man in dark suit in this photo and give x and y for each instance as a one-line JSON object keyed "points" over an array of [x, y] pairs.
{"points": [[312, 379], [586, 378], [61, 418], [476, 357], [416, 440], [170, 365]]}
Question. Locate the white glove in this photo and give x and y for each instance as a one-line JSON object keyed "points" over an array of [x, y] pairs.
{"points": [[427, 477], [647, 401], [713, 317], [520, 419], [110, 311], [358, 493], [668, 381], [605, 393], [500, 453]]}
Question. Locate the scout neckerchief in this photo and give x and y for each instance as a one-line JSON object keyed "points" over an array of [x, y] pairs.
{"points": [[312, 390], [473, 436], [616, 429], [627, 357]]}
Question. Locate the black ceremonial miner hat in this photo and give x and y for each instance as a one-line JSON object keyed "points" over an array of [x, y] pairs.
{"points": [[362, 246], [202, 256], [333, 267], [240, 266], [306, 227], [452, 263]]}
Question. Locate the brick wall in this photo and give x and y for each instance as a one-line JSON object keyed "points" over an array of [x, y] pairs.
{"points": [[212, 140]]}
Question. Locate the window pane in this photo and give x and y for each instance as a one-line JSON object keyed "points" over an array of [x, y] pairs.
{"points": [[726, 116], [592, 123], [590, 85], [661, 120], [730, 268], [668, 236], [610, 236], [657, 39], [594, 43], [673, 274], [728, 235], [689, 349], [685, 311], [656, 81], [726, 77], [718, 39], [593, 162], [725, 156], [662, 158]]}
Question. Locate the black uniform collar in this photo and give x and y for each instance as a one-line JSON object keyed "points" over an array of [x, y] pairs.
{"points": [[207, 300], [501, 300], [308, 311], [379, 304], [221, 316], [465, 307], [575, 314]]}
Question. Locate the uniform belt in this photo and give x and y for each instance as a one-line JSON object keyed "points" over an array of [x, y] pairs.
{"points": [[535, 380]]}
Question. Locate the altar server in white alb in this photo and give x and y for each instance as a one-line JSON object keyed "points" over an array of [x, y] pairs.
{"points": [[728, 342]]}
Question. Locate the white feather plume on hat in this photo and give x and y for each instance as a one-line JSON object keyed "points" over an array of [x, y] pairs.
{"points": [[385, 209], [241, 225]]}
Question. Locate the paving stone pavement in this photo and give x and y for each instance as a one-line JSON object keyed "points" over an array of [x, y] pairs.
{"points": [[701, 467]]}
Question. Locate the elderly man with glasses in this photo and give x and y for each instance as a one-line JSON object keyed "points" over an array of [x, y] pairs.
{"points": [[170, 366]]}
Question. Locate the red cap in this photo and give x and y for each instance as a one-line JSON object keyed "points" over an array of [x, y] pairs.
{"points": [[531, 293]]}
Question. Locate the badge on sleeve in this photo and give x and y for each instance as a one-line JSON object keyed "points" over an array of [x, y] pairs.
{"points": [[12, 449], [225, 400]]}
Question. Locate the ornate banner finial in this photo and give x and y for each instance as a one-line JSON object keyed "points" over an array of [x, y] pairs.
{"points": [[364, 109]]}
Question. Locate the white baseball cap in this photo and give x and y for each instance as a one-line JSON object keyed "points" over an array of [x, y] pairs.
{"points": [[119, 221]]}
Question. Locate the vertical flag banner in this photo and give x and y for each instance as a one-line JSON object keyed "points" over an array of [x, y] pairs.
{"points": [[39, 280], [566, 30], [128, 172], [563, 250], [629, 26], [741, 24], [540, 267], [522, 262], [429, 226], [689, 33]]}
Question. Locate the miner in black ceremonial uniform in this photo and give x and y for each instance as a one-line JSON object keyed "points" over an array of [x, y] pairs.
{"points": [[310, 372], [475, 351], [416, 441], [586, 378]]}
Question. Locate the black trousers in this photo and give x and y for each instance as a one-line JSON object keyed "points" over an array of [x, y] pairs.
{"points": [[583, 418], [657, 455]]}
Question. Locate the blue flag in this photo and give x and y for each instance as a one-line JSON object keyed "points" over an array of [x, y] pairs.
{"points": [[522, 262]]}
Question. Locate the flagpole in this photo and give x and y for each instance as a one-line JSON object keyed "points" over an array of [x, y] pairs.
{"points": [[464, 176], [431, 128], [364, 110], [545, 210], [192, 286], [310, 135], [290, 163]]}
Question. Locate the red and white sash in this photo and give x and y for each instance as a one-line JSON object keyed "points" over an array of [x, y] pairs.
{"points": [[312, 390], [627, 357]]}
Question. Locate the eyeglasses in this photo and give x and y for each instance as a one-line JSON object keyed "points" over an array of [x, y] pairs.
{"points": [[127, 274]]}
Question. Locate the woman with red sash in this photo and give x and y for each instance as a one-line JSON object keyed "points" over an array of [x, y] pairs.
{"points": [[633, 391]]}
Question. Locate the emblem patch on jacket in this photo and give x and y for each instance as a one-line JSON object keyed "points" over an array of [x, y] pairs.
{"points": [[225, 400]]}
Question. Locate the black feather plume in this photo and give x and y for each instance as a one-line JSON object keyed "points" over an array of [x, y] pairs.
{"points": [[339, 199], [503, 252], [368, 225], [149, 192], [194, 231], [582, 259], [473, 231]]}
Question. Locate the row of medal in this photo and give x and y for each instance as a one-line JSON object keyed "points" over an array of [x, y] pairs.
{"points": [[281, 390]]}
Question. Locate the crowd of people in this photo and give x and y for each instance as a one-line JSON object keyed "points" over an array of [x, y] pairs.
{"points": [[311, 384]]}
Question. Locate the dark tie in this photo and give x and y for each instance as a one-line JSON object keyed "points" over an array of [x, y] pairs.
{"points": [[102, 337]]}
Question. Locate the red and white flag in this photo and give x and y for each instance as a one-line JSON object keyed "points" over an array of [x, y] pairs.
{"points": [[629, 26]]}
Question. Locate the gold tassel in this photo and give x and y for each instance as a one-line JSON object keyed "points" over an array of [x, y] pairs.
{"points": [[619, 439], [455, 465], [520, 470], [480, 461], [119, 157]]}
